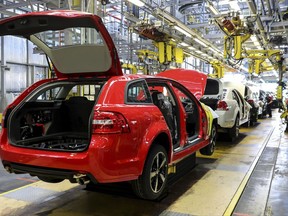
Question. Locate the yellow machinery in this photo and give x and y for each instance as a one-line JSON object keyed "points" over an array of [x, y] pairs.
{"points": [[145, 54], [236, 35], [218, 69], [130, 67], [168, 52], [258, 57]]}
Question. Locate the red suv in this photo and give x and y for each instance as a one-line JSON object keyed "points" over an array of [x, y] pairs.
{"points": [[94, 124]]}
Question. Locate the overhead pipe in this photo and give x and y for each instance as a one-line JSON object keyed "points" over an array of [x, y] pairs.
{"points": [[253, 10], [171, 19], [281, 20], [268, 6]]}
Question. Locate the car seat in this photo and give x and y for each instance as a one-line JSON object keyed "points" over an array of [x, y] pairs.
{"points": [[166, 109]]}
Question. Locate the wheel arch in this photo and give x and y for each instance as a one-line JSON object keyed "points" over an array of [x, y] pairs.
{"points": [[162, 139]]}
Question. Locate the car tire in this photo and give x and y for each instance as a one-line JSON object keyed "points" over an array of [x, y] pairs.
{"points": [[234, 131], [49, 179], [152, 183], [209, 149]]}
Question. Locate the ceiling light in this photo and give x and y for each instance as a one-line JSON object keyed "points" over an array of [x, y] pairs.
{"points": [[182, 31], [212, 8], [184, 44], [137, 3], [200, 42], [234, 5]]}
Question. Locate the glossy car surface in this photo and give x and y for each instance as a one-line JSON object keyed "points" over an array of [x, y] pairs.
{"points": [[229, 105], [92, 123]]}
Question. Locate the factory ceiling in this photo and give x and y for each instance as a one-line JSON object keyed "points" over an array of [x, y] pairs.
{"points": [[199, 25]]}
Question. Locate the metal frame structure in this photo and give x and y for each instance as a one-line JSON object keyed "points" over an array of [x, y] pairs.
{"points": [[192, 24]]}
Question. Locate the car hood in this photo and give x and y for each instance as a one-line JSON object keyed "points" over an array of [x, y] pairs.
{"points": [[193, 80], [77, 43]]}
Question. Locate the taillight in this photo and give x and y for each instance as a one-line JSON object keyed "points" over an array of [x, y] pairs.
{"points": [[222, 105], [109, 122], [250, 101]]}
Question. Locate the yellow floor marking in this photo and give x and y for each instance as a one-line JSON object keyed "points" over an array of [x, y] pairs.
{"points": [[58, 187], [241, 188], [8, 206], [16, 189]]}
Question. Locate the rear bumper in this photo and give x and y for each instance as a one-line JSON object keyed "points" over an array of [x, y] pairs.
{"points": [[44, 171], [225, 119], [99, 162]]}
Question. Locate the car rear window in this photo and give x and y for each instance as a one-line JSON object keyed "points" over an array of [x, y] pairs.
{"points": [[212, 87], [64, 92]]}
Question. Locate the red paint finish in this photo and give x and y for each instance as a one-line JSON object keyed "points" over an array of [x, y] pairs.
{"points": [[121, 133]]}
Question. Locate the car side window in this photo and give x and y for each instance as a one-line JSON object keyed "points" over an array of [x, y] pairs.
{"points": [[137, 92], [50, 94]]}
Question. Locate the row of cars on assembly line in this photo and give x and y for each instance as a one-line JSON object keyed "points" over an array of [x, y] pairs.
{"points": [[236, 104], [92, 123]]}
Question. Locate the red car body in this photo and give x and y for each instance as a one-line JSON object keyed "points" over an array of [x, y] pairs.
{"points": [[120, 138]]}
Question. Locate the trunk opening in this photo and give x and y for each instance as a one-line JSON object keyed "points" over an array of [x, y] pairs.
{"points": [[49, 123]]}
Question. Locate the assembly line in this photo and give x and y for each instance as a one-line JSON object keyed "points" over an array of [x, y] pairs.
{"points": [[136, 107]]}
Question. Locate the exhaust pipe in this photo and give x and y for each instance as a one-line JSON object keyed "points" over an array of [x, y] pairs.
{"points": [[81, 179], [8, 169]]}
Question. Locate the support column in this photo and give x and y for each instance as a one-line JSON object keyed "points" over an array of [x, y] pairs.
{"points": [[3, 101]]}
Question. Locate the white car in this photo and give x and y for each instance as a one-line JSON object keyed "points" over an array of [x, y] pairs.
{"points": [[247, 93], [229, 105]]}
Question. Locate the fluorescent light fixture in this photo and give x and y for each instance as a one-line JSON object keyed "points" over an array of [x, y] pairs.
{"points": [[137, 3], [234, 5], [184, 44], [253, 38], [192, 48], [200, 42], [212, 8], [182, 31]]}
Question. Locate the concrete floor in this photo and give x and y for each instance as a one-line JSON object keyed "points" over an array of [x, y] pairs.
{"points": [[247, 177]]}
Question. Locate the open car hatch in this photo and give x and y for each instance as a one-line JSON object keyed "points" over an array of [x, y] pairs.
{"points": [[77, 43], [193, 80]]}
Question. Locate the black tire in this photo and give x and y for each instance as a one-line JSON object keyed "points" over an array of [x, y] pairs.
{"points": [[49, 179], [234, 131], [209, 149], [152, 183]]}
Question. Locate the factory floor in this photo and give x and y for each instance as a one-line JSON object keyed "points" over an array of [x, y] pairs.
{"points": [[246, 177]]}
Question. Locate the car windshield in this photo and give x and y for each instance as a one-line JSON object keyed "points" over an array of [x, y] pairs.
{"points": [[70, 36]]}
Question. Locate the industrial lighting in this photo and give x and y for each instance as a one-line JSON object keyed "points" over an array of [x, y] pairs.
{"points": [[182, 31], [200, 42], [234, 5], [137, 3], [184, 44], [192, 48], [212, 8]]}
